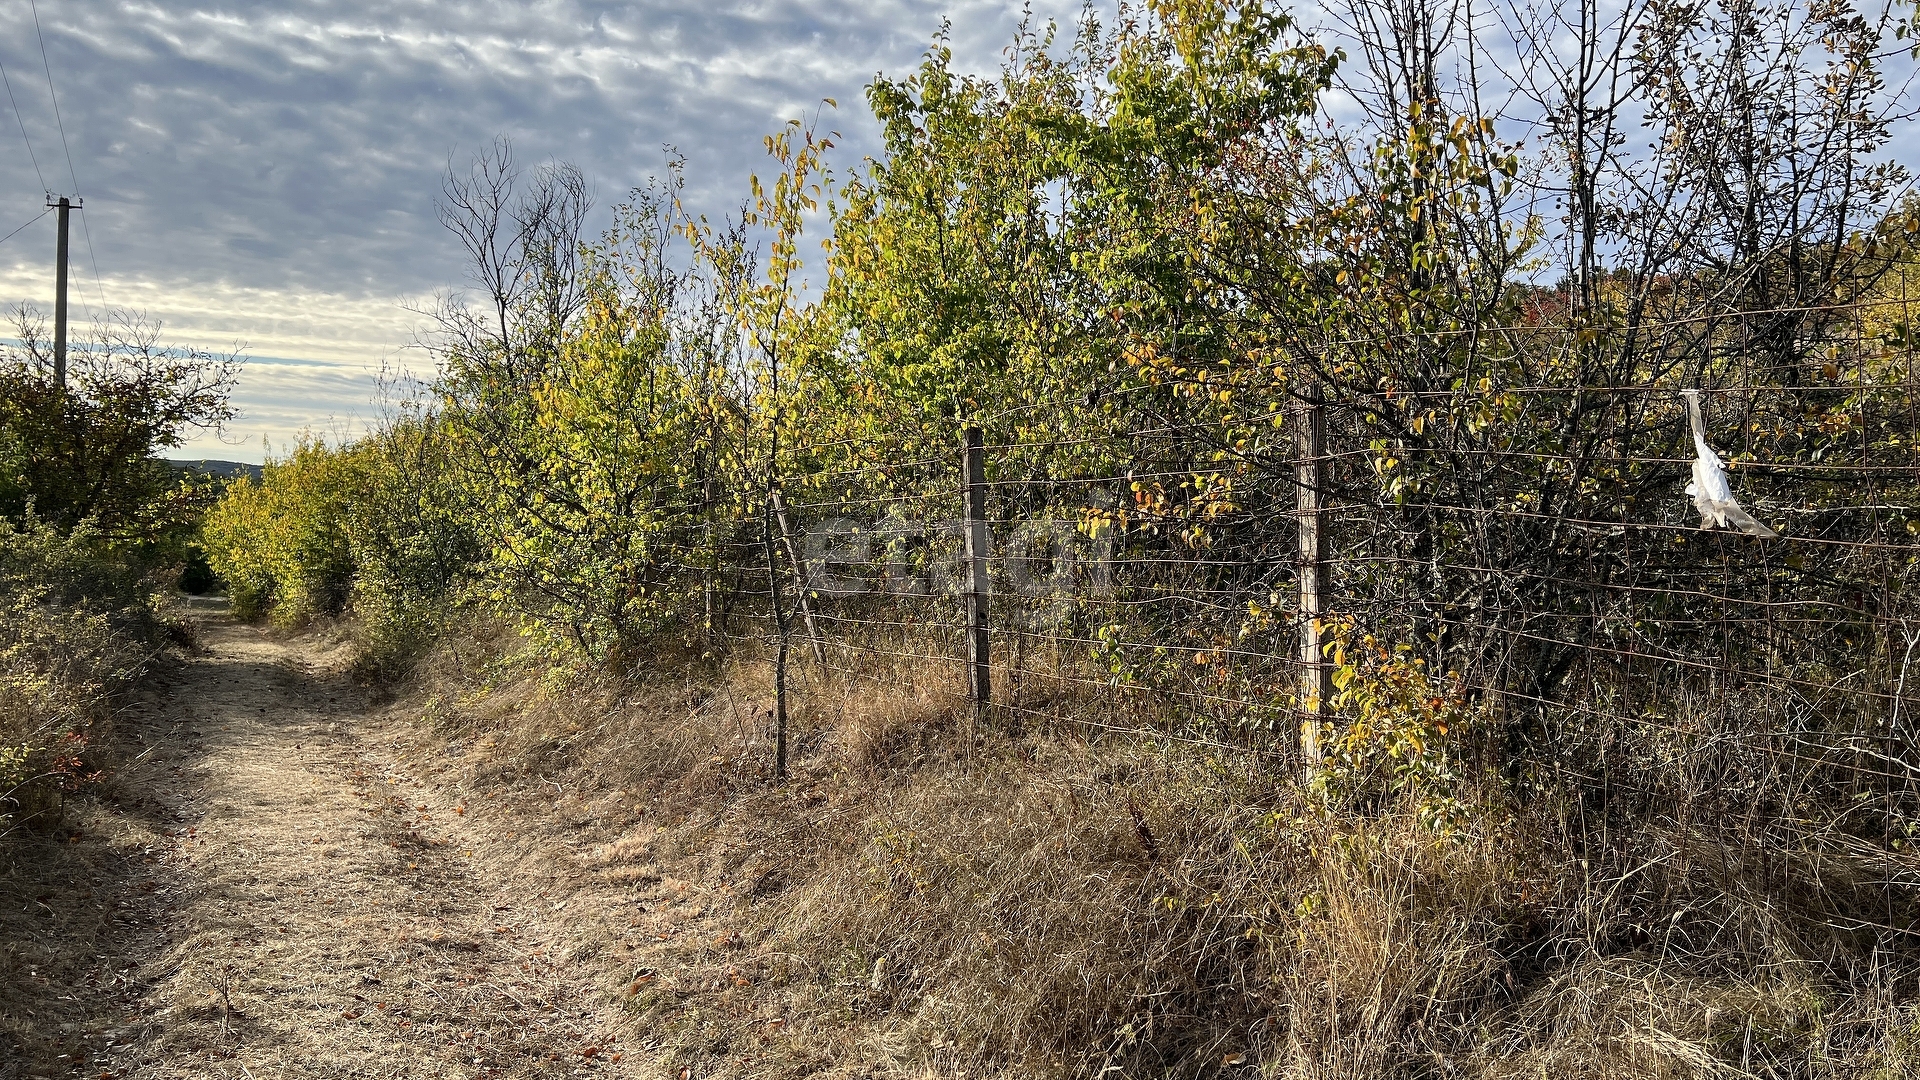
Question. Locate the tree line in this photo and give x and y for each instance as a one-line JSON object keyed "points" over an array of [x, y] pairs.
{"points": [[1134, 258]]}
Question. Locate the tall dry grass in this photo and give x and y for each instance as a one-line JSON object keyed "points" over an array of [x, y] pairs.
{"points": [[1073, 902]]}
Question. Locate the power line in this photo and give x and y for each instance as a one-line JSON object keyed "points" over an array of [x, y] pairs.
{"points": [[72, 174], [21, 229], [31, 156], [87, 235], [58, 122]]}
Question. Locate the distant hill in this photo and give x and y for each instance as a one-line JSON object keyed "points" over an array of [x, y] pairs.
{"points": [[225, 470]]}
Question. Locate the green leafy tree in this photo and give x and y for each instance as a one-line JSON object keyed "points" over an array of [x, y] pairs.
{"points": [[589, 452], [91, 450]]}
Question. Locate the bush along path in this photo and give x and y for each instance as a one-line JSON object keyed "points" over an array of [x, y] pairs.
{"points": [[294, 904]]}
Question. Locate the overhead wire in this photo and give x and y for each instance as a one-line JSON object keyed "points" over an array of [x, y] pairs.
{"points": [[22, 120], [59, 123], [30, 221], [72, 173]]}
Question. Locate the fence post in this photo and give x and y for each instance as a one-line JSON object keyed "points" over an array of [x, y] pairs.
{"points": [[1309, 441], [782, 627], [800, 574], [979, 663]]}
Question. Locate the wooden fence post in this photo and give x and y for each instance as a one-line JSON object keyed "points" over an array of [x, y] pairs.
{"points": [[782, 627], [800, 574], [1316, 686], [979, 662]]}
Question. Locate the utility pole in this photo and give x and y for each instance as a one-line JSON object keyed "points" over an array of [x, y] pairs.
{"points": [[60, 294]]}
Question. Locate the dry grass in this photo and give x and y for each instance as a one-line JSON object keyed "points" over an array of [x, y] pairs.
{"points": [[1067, 902], [1073, 903], [73, 890], [75, 636]]}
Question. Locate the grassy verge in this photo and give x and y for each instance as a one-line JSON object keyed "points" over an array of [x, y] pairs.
{"points": [[77, 634], [1072, 903]]}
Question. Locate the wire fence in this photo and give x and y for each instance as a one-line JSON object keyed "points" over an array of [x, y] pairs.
{"points": [[1569, 598]]}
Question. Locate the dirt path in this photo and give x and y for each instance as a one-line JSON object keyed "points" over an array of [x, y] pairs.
{"points": [[290, 903]]}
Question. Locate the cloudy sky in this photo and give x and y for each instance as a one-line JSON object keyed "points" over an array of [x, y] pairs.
{"points": [[264, 173]]}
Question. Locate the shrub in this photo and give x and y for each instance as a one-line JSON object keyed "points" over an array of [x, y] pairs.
{"points": [[375, 527], [281, 544], [74, 630], [597, 452], [412, 539], [89, 450]]}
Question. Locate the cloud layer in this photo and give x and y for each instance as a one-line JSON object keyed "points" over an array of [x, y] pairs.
{"points": [[265, 172]]}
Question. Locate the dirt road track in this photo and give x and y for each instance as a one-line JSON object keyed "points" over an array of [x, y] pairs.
{"points": [[268, 894]]}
